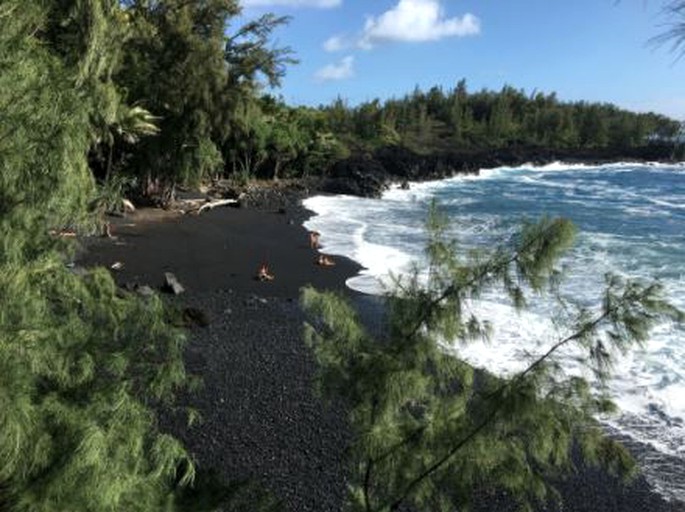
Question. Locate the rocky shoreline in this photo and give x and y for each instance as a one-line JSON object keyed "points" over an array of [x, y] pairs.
{"points": [[368, 174]]}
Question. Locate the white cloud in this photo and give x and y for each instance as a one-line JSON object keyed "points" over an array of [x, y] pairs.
{"points": [[322, 4], [416, 21], [338, 71], [335, 44]]}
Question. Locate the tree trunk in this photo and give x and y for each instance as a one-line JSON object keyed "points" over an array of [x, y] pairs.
{"points": [[108, 169]]}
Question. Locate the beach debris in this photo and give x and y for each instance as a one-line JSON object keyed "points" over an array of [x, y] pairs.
{"points": [[117, 265], [62, 233], [128, 206], [197, 206], [172, 284], [213, 204], [107, 230], [242, 198]]}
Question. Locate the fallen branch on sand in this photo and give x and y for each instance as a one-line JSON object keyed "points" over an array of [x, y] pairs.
{"points": [[197, 206], [213, 204]]}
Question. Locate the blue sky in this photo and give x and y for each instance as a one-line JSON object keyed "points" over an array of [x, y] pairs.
{"points": [[583, 49]]}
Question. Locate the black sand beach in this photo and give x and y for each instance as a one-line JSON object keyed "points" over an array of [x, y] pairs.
{"points": [[218, 250], [261, 418]]}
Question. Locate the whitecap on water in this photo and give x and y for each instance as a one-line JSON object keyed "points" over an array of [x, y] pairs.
{"points": [[629, 226]]}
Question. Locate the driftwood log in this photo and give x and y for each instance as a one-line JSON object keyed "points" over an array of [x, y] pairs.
{"points": [[197, 206], [213, 204]]}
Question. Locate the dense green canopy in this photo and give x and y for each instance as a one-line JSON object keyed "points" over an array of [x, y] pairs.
{"points": [[79, 363], [456, 118]]}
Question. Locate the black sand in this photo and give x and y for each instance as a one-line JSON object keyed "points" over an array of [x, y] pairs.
{"points": [[219, 250], [261, 418]]}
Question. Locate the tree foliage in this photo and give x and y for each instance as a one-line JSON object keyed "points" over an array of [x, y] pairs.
{"points": [[95, 89], [188, 66], [457, 119], [174, 91], [44, 135], [429, 428], [674, 13], [80, 364]]}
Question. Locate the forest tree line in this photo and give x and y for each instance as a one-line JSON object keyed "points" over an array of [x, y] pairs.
{"points": [[456, 118], [301, 141], [175, 92]]}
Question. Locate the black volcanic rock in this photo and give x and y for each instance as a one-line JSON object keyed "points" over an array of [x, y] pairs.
{"points": [[368, 175], [359, 175]]}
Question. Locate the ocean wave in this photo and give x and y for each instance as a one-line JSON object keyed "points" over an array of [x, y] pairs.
{"points": [[425, 190], [664, 202], [616, 166], [629, 226]]}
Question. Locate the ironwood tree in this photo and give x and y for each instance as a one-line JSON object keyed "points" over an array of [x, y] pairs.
{"points": [[80, 362], [428, 427]]}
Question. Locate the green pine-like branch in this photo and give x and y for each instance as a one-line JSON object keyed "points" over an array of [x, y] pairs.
{"points": [[429, 428]]}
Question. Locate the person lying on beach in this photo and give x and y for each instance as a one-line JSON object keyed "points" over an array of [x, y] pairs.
{"points": [[314, 239], [325, 261], [263, 273]]}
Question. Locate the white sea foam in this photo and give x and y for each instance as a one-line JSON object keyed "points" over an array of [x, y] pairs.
{"points": [[617, 166], [663, 202], [418, 191], [386, 235], [344, 234]]}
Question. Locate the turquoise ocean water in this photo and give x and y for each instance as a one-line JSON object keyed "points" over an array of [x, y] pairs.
{"points": [[632, 223]]}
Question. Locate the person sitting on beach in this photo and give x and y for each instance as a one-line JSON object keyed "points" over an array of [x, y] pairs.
{"points": [[325, 261], [263, 273], [314, 239]]}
